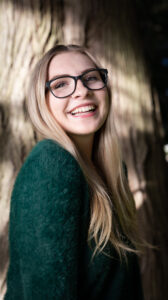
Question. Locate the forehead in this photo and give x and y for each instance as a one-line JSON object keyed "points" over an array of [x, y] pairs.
{"points": [[72, 63]]}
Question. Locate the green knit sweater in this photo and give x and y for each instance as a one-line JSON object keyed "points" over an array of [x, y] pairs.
{"points": [[49, 221]]}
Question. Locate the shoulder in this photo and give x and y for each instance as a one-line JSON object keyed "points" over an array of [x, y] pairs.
{"points": [[48, 147], [48, 164], [50, 178], [48, 156], [49, 150]]}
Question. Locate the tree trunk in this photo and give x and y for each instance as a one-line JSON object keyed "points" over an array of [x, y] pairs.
{"points": [[28, 28], [107, 28]]}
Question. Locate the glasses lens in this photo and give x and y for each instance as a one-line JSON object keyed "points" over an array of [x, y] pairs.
{"points": [[95, 79], [62, 87]]}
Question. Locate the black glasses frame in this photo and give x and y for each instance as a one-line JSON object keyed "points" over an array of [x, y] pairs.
{"points": [[76, 78]]}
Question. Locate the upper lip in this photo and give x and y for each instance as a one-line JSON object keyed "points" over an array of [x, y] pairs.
{"points": [[82, 105]]}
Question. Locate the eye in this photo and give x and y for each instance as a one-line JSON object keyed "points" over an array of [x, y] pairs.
{"points": [[61, 83], [58, 85], [91, 78]]}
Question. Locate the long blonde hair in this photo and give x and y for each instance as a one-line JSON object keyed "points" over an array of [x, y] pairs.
{"points": [[112, 208]]}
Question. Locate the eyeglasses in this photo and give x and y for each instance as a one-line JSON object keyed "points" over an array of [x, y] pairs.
{"points": [[64, 86]]}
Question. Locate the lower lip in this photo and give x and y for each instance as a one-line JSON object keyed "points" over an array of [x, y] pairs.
{"points": [[85, 115]]}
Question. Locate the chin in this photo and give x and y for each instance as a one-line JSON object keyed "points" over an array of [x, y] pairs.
{"points": [[88, 130]]}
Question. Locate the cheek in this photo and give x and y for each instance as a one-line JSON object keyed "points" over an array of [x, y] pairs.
{"points": [[55, 107]]}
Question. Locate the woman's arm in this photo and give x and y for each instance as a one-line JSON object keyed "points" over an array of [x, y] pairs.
{"points": [[45, 226]]}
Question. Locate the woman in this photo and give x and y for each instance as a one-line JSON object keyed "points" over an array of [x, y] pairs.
{"points": [[72, 222]]}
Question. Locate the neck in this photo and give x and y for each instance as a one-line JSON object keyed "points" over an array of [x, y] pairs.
{"points": [[84, 144]]}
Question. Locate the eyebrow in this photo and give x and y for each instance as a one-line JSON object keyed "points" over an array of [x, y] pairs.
{"points": [[62, 75]]}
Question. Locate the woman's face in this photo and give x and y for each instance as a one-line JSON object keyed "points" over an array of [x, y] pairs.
{"points": [[85, 111]]}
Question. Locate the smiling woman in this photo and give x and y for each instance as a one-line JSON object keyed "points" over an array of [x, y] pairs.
{"points": [[73, 232], [83, 106]]}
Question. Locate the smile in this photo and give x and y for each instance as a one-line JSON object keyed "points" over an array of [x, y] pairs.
{"points": [[83, 109]]}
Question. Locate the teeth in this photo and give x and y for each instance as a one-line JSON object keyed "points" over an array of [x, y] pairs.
{"points": [[83, 109]]}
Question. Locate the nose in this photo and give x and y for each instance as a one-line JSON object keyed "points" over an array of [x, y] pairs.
{"points": [[81, 90]]}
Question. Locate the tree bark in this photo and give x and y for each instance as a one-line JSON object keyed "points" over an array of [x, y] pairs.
{"points": [[28, 29], [108, 28]]}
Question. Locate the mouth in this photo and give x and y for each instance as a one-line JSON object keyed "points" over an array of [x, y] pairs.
{"points": [[83, 110]]}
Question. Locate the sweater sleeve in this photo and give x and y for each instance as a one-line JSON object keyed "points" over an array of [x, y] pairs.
{"points": [[45, 226]]}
